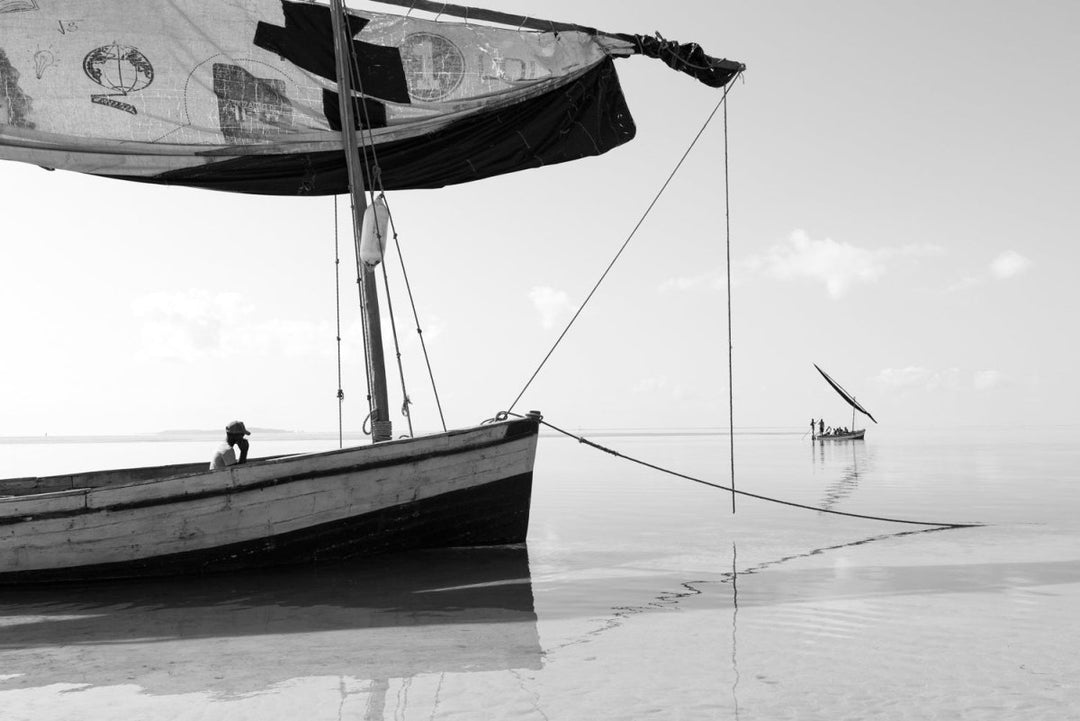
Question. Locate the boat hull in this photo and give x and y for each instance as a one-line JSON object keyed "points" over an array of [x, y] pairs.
{"points": [[853, 436], [464, 488]]}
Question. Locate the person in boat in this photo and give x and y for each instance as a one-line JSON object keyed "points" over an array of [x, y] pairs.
{"points": [[225, 456], [812, 426], [821, 427]]}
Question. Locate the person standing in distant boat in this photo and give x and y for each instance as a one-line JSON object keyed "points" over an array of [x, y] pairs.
{"points": [[811, 426], [225, 456], [821, 427]]}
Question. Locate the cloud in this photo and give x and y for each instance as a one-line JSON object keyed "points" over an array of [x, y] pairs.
{"points": [[188, 324], [953, 379], [985, 380], [1005, 266], [433, 326], [294, 338], [709, 280], [1009, 265], [839, 266], [195, 324], [917, 377], [968, 281], [193, 305], [659, 386], [551, 304]]}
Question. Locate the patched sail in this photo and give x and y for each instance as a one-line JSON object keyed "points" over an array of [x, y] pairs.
{"points": [[240, 95]]}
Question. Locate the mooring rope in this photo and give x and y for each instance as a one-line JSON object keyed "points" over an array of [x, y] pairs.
{"points": [[730, 345], [626, 242], [670, 472]]}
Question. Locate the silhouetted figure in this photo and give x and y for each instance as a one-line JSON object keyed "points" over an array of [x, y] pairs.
{"points": [[225, 456]]}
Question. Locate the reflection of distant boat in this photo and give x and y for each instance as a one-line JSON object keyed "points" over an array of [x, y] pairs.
{"points": [[396, 616], [854, 434], [849, 478]]}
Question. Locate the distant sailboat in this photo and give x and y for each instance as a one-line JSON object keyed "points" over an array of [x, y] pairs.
{"points": [[853, 434]]}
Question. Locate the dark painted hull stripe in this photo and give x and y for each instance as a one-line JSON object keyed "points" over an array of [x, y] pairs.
{"points": [[495, 513]]}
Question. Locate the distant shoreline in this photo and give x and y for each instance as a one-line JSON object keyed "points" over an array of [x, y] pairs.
{"points": [[281, 435], [277, 434]]}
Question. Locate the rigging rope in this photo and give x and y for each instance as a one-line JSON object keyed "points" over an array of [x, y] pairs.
{"points": [[730, 364], [374, 178], [397, 348], [337, 304], [605, 449], [630, 237], [416, 318], [354, 69]]}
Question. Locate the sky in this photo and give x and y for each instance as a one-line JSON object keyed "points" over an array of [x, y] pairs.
{"points": [[903, 213]]}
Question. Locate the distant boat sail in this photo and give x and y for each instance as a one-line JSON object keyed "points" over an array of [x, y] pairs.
{"points": [[844, 394]]}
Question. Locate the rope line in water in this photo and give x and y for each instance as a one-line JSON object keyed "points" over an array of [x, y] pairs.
{"points": [[605, 449]]}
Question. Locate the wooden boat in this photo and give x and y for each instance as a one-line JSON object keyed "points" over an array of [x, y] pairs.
{"points": [[855, 434], [248, 97], [464, 488], [852, 436]]}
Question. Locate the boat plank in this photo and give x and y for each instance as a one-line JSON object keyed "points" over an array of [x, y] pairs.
{"points": [[52, 502]]}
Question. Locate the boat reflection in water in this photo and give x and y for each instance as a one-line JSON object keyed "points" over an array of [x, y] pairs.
{"points": [[398, 616], [846, 460]]}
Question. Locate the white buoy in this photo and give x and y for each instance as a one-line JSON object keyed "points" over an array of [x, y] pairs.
{"points": [[373, 233]]}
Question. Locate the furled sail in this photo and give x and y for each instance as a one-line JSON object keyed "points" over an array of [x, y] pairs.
{"points": [[239, 95], [844, 394]]}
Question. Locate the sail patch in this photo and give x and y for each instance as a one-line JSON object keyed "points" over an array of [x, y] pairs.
{"points": [[242, 96], [120, 68], [250, 107]]}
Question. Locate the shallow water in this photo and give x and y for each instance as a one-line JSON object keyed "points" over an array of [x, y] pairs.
{"points": [[637, 595]]}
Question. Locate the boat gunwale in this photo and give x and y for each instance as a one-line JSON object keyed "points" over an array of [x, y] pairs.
{"points": [[856, 436], [235, 485]]}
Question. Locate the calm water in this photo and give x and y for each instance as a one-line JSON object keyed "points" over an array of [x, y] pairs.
{"points": [[637, 595]]}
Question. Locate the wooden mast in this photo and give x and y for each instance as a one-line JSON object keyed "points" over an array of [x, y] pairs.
{"points": [[381, 429]]}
